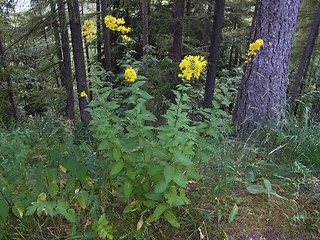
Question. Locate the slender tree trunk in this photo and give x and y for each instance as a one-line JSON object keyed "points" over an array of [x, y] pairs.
{"points": [[207, 27], [86, 47], [78, 57], [262, 92], [214, 52], [178, 14], [106, 35], [145, 25], [99, 53], [53, 63], [66, 59], [8, 79], [306, 55]]}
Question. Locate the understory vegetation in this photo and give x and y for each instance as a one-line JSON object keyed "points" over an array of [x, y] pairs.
{"points": [[57, 182]]}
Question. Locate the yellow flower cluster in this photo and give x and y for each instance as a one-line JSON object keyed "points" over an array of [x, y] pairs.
{"points": [[83, 94], [116, 24], [88, 30], [255, 46], [192, 66], [130, 74], [126, 39]]}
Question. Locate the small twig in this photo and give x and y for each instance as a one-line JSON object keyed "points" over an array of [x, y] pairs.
{"points": [[278, 148], [6, 199]]}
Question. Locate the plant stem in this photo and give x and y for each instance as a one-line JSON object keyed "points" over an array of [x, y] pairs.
{"points": [[6, 199]]}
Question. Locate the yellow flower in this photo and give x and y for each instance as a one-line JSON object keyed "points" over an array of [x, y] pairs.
{"points": [[192, 66], [123, 29], [130, 74], [111, 22], [126, 38], [255, 46], [83, 94], [88, 30]]}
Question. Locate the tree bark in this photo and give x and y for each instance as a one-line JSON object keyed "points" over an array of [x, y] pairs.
{"points": [[78, 58], [8, 79], [66, 59], [262, 92], [145, 25], [106, 35], [214, 52], [306, 55], [207, 27], [99, 53], [178, 14]]}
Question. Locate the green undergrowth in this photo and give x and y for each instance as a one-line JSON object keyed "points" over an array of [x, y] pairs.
{"points": [[54, 186]]}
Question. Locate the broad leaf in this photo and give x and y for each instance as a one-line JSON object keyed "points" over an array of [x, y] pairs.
{"points": [[160, 187], [117, 167], [233, 213], [256, 189], [171, 218], [127, 189], [169, 173], [160, 209]]}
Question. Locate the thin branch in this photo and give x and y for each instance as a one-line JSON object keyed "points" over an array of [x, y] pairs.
{"points": [[28, 33]]}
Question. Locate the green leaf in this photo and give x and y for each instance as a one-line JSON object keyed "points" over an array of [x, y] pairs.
{"points": [[180, 179], [82, 201], [173, 198], [256, 189], [220, 214], [56, 154], [169, 173], [160, 209], [81, 174], [103, 145], [153, 196], [150, 203], [130, 207], [4, 210], [71, 216], [140, 223], [171, 218], [18, 209], [268, 186], [179, 157], [117, 167], [62, 207], [31, 209], [160, 187], [151, 218], [155, 170], [233, 213], [53, 188], [116, 152], [127, 189], [51, 174]]}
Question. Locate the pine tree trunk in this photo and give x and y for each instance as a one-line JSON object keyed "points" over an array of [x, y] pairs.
{"points": [[306, 55], [106, 35], [145, 24], [58, 46], [178, 14], [214, 52], [262, 92], [207, 28], [66, 60], [99, 53], [78, 58], [8, 79]]}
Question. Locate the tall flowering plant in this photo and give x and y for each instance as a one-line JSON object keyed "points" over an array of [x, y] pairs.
{"points": [[150, 166]]}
